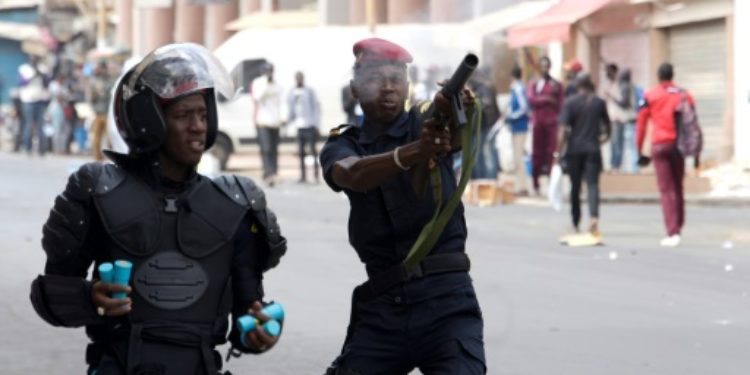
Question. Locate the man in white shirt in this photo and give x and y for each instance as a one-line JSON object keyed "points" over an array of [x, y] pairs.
{"points": [[304, 115], [32, 90], [267, 95]]}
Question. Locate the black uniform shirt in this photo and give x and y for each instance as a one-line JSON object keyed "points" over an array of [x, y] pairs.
{"points": [[384, 222]]}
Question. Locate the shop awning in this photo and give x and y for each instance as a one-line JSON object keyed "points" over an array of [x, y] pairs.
{"points": [[470, 35], [553, 25], [275, 20]]}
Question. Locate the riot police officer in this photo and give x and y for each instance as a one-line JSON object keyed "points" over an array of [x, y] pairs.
{"points": [[198, 247], [427, 316]]}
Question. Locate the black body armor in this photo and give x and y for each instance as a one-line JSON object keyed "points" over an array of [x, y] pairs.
{"points": [[181, 247]]}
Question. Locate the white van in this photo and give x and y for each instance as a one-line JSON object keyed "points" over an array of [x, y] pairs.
{"points": [[324, 55]]}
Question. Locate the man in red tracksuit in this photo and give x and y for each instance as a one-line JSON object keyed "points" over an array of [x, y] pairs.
{"points": [[660, 104]]}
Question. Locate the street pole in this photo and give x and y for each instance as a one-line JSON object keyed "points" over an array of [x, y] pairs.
{"points": [[101, 29], [371, 16]]}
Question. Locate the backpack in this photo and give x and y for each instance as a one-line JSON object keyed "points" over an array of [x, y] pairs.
{"points": [[689, 134]]}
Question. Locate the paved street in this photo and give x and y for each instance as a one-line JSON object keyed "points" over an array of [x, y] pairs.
{"points": [[629, 307]]}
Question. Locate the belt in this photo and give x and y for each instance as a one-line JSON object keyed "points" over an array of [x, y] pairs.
{"points": [[431, 265]]}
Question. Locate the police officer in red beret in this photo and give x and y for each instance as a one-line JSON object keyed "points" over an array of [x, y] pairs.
{"points": [[424, 317]]}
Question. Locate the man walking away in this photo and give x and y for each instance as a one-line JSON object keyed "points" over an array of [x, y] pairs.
{"points": [[304, 114], [659, 105], [585, 125]]}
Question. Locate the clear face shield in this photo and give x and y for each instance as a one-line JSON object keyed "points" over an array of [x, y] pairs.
{"points": [[179, 69]]}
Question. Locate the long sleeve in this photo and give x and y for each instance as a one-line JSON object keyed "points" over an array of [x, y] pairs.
{"points": [[62, 296], [642, 121], [247, 277]]}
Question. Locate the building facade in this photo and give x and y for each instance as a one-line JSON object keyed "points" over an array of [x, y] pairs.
{"points": [[696, 36]]}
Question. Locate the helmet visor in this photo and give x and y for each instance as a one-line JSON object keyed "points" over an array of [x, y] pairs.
{"points": [[179, 69]]}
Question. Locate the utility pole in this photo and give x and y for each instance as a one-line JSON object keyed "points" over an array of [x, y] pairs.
{"points": [[101, 27], [370, 15]]}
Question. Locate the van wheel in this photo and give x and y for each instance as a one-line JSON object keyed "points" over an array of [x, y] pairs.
{"points": [[221, 150]]}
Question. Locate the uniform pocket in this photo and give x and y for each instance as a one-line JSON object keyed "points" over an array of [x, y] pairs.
{"points": [[474, 348]]}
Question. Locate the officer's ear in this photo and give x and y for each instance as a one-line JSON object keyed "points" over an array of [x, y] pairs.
{"points": [[353, 87]]}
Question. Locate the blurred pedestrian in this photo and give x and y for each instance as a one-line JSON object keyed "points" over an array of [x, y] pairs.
{"points": [[304, 115], [518, 120], [268, 121], [18, 121], [659, 106], [431, 81], [571, 68], [545, 97], [348, 104], [585, 125], [417, 88], [33, 81], [99, 94], [56, 112], [613, 96], [623, 115], [487, 163], [404, 316]]}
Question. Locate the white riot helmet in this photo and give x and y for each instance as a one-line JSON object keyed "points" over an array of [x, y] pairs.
{"points": [[168, 73]]}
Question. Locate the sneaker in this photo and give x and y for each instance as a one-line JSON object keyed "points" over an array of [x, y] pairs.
{"points": [[671, 241]]}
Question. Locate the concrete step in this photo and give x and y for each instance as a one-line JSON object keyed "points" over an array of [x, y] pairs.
{"points": [[620, 184]]}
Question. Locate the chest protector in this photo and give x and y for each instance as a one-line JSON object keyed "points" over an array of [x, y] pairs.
{"points": [[181, 247]]}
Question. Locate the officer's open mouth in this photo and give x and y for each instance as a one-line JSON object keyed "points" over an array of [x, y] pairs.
{"points": [[387, 103]]}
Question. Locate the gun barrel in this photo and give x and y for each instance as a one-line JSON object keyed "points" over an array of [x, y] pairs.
{"points": [[461, 75]]}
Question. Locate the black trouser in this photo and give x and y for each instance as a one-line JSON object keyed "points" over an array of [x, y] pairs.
{"points": [[307, 137], [268, 138], [582, 166]]}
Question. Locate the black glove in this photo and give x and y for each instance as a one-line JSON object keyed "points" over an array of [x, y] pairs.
{"points": [[643, 160]]}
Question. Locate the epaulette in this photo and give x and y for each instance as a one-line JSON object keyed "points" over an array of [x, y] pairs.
{"points": [[341, 129], [424, 106]]}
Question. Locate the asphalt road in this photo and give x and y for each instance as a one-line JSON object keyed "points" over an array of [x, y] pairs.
{"points": [[629, 307]]}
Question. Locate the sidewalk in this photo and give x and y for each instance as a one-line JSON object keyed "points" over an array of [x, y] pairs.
{"points": [[726, 185], [249, 164]]}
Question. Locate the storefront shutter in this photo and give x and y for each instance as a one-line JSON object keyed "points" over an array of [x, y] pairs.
{"points": [[698, 52]]}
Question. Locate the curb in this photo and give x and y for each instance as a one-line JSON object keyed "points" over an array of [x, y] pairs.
{"points": [[702, 201]]}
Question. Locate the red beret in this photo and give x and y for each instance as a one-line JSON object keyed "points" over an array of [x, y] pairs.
{"points": [[379, 50], [573, 65]]}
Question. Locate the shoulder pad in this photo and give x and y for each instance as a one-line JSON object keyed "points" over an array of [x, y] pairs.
{"points": [[81, 183], [110, 177], [244, 191], [341, 129], [66, 228], [241, 190]]}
